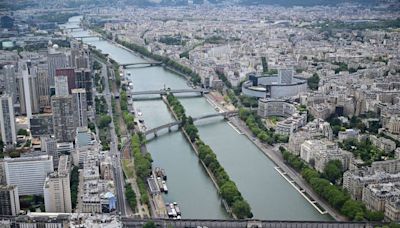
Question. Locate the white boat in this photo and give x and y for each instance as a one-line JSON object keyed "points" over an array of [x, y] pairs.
{"points": [[164, 186]]}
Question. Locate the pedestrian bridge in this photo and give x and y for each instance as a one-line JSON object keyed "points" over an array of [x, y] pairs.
{"points": [[169, 126]]}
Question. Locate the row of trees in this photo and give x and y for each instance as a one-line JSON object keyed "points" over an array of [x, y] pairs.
{"points": [[74, 183], [126, 115], [229, 191], [130, 196], [333, 194], [195, 78], [142, 167], [254, 123]]}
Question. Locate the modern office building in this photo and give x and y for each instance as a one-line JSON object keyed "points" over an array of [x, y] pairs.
{"points": [[7, 121], [49, 146], [9, 200], [70, 74], [28, 173], [41, 124], [56, 60], [79, 96], [28, 89], [43, 86], [83, 79], [61, 86], [57, 192], [284, 84], [10, 81], [64, 118]]}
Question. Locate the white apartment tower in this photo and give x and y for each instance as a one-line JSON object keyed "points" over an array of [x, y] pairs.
{"points": [[7, 121], [28, 90], [57, 192], [79, 96]]}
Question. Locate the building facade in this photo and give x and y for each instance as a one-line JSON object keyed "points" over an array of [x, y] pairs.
{"points": [[79, 96], [9, 200], [64, 118], [57, 195], [28, 173], [7, 121]]}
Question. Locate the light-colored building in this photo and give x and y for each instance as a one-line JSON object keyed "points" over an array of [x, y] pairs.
{"points": [[375, 196], [57, 191], [320, 152], [348, 134], [389, 166], [28, 173], [394, 124], [79, 96], [9, 200], [354, 181], [10, 82], [383, 143], [28, 89], [61, 84], [64, 118], [392, 209], [7, 121], [317, 128]]}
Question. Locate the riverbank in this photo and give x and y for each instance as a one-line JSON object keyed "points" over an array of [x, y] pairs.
{"points": [[278, 161]]}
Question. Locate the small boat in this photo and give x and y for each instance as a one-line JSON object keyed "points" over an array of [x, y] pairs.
{"points": [[129, 73], [164, 187], [164, 174], [177, 209]]}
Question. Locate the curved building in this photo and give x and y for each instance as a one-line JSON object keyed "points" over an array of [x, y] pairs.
{"points": [[283, 84]]}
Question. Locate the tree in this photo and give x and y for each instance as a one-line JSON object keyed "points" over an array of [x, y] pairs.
{"points": [[23, 132], [242, 209], [229, 192], [352, 208], [150, 224], [104, 121], [333, 170], [313, 82]]}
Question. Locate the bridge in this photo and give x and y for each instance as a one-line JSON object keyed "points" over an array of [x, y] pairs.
{"points": [[166, 91], [178, 123], [141, 64], [89, 36], [242, 223]]}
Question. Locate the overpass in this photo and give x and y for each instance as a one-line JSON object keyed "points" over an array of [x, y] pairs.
{"points": [[178, 123], [141, 64]]}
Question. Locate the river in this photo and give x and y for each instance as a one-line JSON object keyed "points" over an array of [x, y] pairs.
{"points": [[269, 194]]}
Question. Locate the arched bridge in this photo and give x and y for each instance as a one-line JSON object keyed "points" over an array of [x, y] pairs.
{"points": [[140, 64], [166, 91], [178, 123]]}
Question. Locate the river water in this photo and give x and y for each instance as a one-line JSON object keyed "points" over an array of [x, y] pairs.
{"points": [[270, 195]]}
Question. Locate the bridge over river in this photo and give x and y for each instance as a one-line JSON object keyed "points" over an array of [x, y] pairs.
{"points": [[141, 64], [178, 123]]}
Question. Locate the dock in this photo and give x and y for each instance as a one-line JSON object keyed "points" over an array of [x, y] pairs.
{"points": [[300, 190]]}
